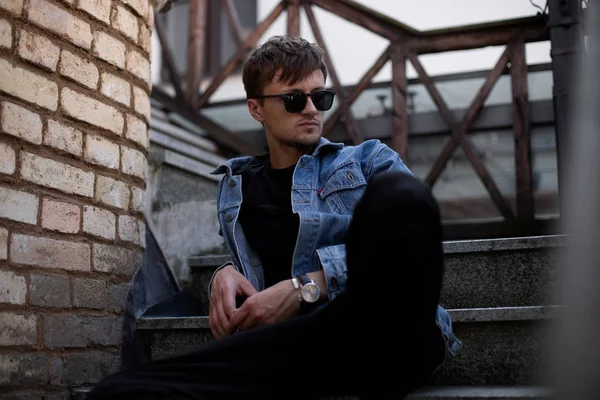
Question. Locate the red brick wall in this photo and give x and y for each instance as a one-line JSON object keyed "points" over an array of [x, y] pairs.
{"points": [[74, 113]]}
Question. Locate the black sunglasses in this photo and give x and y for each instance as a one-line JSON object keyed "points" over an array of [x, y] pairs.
{"points": [[295, 102]]}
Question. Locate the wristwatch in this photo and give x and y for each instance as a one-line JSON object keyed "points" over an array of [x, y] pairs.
{"points": [[309, 291]]}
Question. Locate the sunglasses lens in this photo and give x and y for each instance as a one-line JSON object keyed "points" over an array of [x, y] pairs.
{"points": [[323, 100], [294, 103]]}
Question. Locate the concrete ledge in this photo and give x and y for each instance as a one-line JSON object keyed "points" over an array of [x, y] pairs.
{"points": [[522, 243], [481, 392]]}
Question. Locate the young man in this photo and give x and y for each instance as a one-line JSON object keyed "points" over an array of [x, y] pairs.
{"points": [[337, 261]]}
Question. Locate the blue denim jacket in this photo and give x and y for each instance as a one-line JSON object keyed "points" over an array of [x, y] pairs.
{"points": [[325, 175]]}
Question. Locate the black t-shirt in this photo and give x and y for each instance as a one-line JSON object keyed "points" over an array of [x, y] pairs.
{"points": [[266, 217]]}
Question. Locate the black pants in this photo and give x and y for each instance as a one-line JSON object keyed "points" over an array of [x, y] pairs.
{"points": [[378, 337]]}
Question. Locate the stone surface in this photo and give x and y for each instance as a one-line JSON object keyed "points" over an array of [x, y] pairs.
{"points": [[65, 331], [79, 69], [19, 206], [64, 138], [99, 222], [60, 216], [38, 50], [140, 7], [8, 159], [79, 106], [18, 329], [23, 369], [109, 49], [137, 131], [56, 175], [125, 22], [89, 368], [13, 288], [5, 34], [15, 7], [56, 370], [114, 259], [61, 22], [28, 85], [138, 199], [138, 65], [141, 102], [145, 38], [22, 123], [164, 344], [3, 244], [99, 9], [129, 229], [117, 295], [523, 243], [101, 151], [50, 291], [49, 253], [89, 293], [133, 162], [112, 192], [116, 88]]}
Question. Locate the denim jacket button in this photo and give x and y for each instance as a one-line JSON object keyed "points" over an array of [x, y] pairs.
{"points": [[231, 183], [350, 177], [229, 217]]}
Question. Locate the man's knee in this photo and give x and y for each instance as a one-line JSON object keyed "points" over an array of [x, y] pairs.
{"points": [[399, 189]]}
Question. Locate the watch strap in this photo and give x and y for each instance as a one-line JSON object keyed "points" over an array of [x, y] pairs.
{"points": [[303, 279]]}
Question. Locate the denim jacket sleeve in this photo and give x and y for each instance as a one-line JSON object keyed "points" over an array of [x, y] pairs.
{"points": [[217, 270], [384, 159]]}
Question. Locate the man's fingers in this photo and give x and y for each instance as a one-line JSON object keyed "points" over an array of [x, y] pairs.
{"points": [[238, 317], [247, 288]]}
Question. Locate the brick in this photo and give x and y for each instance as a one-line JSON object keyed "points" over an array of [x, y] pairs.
{"points": [[57, 396], [56, 370], [112, 192], [89, 293], [129, 229], [23, 369], [142, 230], [38, 50], [150, 17], [133, 162], [141, 102], [14, 7], [125, 22], [114, 259], [3, 244], [22, 123], [116, 88], [99, 9], [101, 151], [109, 49], [8, 159], [145, 39], [137, 131], [17, 329], [138, 65], [13, 288], [60, 21], [138, 199], [56, 175], [92, 111], [117, 296], [99, 222], [27, 395], [79, 69], [64, 138], [63, 331], [49, 253], [5, 34], [60, 216], [18, 206], [28, 86], [49, 291], [89, 368], [139, 6]]}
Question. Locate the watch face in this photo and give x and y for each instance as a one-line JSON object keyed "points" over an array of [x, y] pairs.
{"points": [[310, 293]]}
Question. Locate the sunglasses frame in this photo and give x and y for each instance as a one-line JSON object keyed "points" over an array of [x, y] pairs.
{"points": [[306, 96]]}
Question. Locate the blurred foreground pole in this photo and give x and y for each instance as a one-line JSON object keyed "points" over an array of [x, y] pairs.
{"points": [[575, 348]]}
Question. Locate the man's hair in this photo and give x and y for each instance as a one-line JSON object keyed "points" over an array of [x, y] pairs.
{"points": [[295, 58]]}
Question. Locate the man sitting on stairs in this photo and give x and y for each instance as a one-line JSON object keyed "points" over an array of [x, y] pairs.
{"points": [[337, 261]]}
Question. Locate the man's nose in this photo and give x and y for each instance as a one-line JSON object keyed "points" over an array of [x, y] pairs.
{"points": [[310, 107]]}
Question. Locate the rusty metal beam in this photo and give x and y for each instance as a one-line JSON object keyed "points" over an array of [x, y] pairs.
{"points": [[357, 90], [351, 125], [237, 58], [168, 58], [293, 18], [234, 22], [399, 111], [196, 51], [521, 130]]}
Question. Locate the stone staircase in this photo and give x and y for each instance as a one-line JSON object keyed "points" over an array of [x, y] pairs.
{"points": [[499, 292]]}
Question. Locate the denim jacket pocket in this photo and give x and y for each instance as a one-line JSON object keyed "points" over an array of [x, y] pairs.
{"points": [[344, 187]]}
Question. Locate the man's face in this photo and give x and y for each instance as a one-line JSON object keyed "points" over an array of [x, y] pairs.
{"points": [[296, 130]]}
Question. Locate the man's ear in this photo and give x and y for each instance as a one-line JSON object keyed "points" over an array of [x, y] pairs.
{"points": [[255, 110]]}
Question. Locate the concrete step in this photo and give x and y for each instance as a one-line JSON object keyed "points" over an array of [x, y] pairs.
{"points": [[501, 346], [509, 272]]}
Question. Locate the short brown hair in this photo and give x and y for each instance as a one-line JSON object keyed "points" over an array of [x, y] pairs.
{"points": [[296, 58]]}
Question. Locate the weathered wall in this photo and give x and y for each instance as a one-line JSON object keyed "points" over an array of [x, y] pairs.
{"points": [[74, 108]]}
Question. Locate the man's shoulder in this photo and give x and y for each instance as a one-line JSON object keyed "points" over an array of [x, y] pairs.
{"points": [[361, 152]]}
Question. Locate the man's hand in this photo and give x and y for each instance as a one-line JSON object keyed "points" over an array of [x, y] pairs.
{"points": [[226, 285], [278, 302]]}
